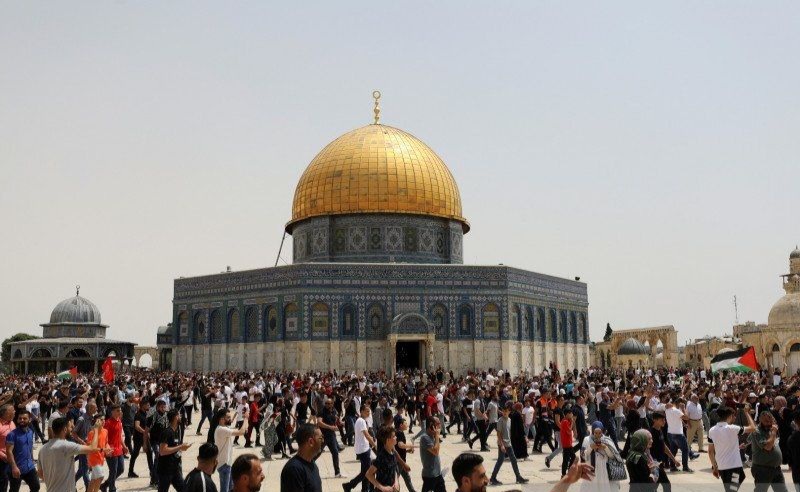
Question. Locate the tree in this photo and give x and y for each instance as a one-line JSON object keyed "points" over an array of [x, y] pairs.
{"points": [[609, 331], [5, 351]]}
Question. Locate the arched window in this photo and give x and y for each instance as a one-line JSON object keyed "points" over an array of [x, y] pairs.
{"points": [[573, 327], [563, 328], [271, 316], [41, 353], [217, 330], [439, 317], [375, 318], [233, 325], [516, 319], [776, 348], [199, 327], [251, 324], [290, 315], [541, 325], [491, 321], [17, 354], [528, 323], [320, 320], [183, 327], [584, 329], [78, 353], [348, 320], [795, 347], [465, 320], [553, 320]]}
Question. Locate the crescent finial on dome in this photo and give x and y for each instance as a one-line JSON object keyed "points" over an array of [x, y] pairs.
{"points": [[377, 95]]}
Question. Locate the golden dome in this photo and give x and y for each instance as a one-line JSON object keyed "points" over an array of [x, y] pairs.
{"points": [[377, 169]]}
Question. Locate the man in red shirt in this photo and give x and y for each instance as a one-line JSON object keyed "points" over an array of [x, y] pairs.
{"points": [[6, 426], [115, 462], [566, 440]]}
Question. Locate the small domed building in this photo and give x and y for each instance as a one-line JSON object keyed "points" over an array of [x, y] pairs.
{"points": [[378, 281], [74, 336], [778, 342], [633, 353]]}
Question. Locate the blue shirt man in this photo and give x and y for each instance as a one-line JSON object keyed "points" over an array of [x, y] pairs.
{"points": [[22, 440]]}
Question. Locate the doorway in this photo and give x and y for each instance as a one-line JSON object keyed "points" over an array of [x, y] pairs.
{"points": [[407, 355]]}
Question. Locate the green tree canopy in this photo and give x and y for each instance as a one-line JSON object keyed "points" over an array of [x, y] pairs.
{"points": [[609, 331], [6, 348]]}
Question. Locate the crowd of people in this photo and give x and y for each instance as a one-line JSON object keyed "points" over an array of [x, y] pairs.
{"points": [[608, 426]]}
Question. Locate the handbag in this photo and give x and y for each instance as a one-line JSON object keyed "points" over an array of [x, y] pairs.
{"points": [[616, 470]]}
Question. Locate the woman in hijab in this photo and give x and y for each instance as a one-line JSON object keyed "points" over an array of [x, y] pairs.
{"points": [[270, 433], [597, 449], [518, 440], [640, 465]]}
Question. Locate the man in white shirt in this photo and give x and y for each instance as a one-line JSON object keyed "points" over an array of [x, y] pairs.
{"points": [[363, 444], [723, 447], [223, 438], [675, 419], [695, 427]]}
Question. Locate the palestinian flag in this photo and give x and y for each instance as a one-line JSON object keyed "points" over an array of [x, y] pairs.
{"points": [[742, 360], [70, 374]]}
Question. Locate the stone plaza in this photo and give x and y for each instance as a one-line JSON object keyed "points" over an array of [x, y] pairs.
{"points": [[541, 477]]}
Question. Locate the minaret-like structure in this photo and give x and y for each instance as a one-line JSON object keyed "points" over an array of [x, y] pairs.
{"points": [[791, 280]]}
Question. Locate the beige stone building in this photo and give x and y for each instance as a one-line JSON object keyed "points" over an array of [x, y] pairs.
{"points": [[700, 352], [777, 343], [639, 347]]}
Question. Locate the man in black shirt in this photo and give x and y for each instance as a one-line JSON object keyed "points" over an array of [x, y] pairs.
{"points": [[140, 431], [659, 450], [169, 454], [300, 473], [206, 397], [199, 479], [156, 424], [793, 449], [383, 471], [329, 424]]}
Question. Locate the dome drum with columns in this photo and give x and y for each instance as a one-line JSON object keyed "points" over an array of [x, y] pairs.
{"points": [[74, 336], [378, 281]]}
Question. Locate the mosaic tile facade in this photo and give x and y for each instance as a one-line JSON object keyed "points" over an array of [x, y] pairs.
{"points": [[378, 238], [309, 315]]}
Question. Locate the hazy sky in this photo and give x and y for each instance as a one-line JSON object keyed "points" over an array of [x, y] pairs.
{"points": [[650, 148]]}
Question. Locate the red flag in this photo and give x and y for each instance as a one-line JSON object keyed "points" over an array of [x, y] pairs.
{"points": [[108, 371], [74, 371]]}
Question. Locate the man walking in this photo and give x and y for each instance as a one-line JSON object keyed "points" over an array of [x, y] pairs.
{"points": [[329, 424], [19, 450], [57, 458], [169, 454], [767, 457], [224, 435], [429, 448], [363, 444], [115, 462], [723, 448], [695, 425], [504, 446], [199, 479], [6, 426], [480, 416], [300, 473]]}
